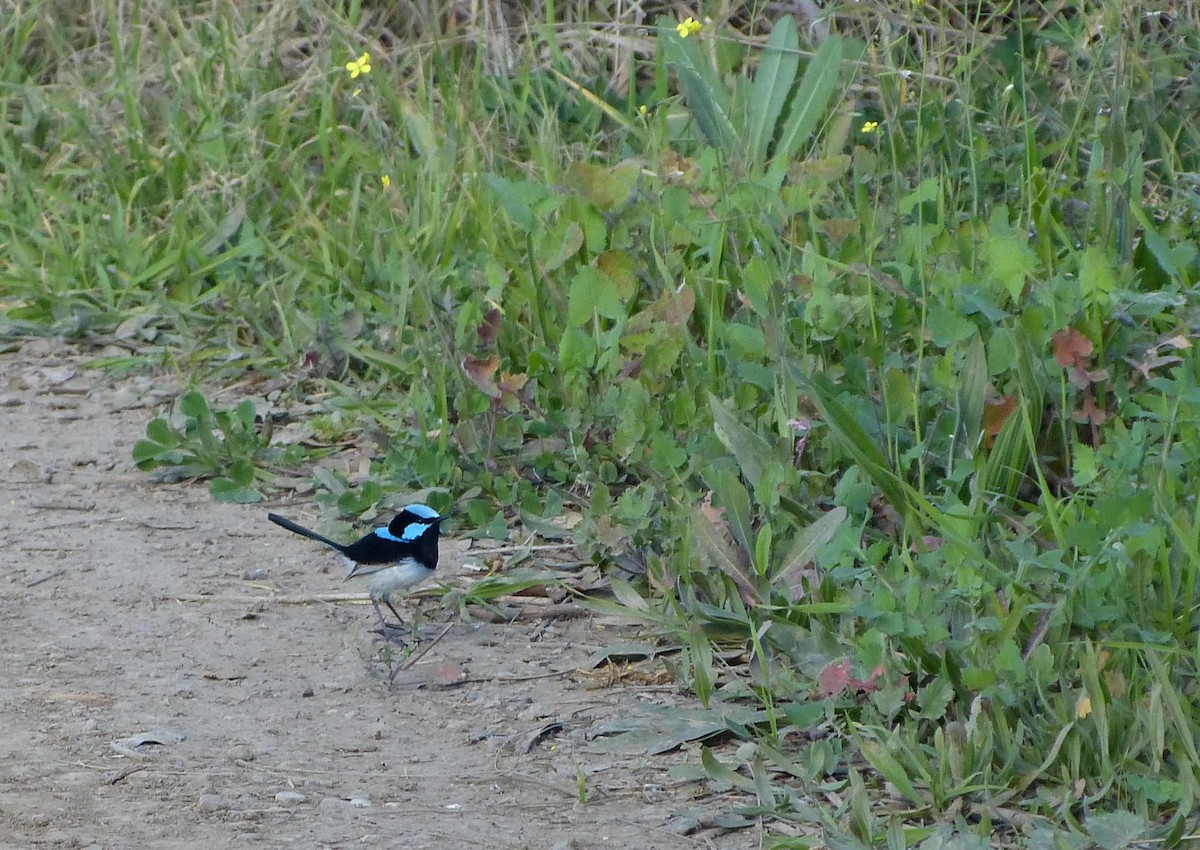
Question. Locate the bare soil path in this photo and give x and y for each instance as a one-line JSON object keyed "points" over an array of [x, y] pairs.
{"points": [[130, 719]]}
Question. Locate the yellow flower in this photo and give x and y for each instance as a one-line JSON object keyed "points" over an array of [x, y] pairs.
{"points": [[386, 180], [643, 110], [870, 127], [361, 65], [689, 27]]}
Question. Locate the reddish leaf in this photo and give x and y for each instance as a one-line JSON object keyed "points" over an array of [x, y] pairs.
{"points": [[1071, 348], [513, 384], [833, 679], [995, 414], [483, 373], [1090, 412], [489, 328]]}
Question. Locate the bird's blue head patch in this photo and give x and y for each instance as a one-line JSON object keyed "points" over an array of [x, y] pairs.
{"points": [[421, 511], [411, 524], [409, 533]]}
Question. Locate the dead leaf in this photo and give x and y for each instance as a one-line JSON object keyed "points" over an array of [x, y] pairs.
{"points": [[489, 328], [1071, 348], [482, 373], [995, 414]]}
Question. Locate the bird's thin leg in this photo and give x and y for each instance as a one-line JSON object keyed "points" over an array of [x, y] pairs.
{"points": [[387, 630], [387, 600]]}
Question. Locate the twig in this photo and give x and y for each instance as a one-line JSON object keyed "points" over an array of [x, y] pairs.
{"points": [[46, 577], [506, 680], [539, 611], [504, 550], [420, 653], [120, 775], [308, 599]]}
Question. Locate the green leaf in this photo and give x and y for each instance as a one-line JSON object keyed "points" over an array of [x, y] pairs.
{"points": [[857, 441], [1097, 279], [517, 198], [576, 351], [891, 770], [772, 85], [730, 494], [722, 775], [150, 455], [592, 294], [1117, 830], [604, 188], [1006, 253], [973, 378], [227, 490], [662, 730], [555, 255], [702, 90], [947, 327], [750, 450], [161, 432], [811, 99], [812, 538], [710, 542], [192, 404], [930, 189]]}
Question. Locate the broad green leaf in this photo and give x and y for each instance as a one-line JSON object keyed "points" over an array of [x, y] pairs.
{"points": [[812, 538], [576, 351], [811, 99], [891, 770], [1097, 278], [160, 431], [973, 378], [750, 450], [722, 775], [604, 188], [703, 92], [592, 294], [930, 189], [730, 494], [227, 490], [659, 731], [710, 541], [1117, 830], [946, 326], [192, 404], [772, 85], [555, 255], [1006, 252], [517, 198]]}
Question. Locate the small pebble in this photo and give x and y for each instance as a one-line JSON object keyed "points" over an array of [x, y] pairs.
{"points": [[211, 803], [290, 798], [683, 825], [241, 752]]}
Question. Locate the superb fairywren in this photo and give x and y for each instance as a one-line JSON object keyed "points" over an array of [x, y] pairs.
{"points": [[393, 557]]}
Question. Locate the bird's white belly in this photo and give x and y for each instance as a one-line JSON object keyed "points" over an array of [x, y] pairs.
{"points": [[384, 581]]}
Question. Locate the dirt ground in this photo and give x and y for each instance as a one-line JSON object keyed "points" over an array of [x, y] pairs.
{"points": [[158, 688]]}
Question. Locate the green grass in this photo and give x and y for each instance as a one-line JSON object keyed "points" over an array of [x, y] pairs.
{"points": [[874, 357]]}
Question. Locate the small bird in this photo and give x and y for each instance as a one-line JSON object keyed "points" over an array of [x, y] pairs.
{"points": [[393, 557]]}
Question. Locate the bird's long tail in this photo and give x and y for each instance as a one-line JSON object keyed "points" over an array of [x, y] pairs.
{"points": [[302, 531]]}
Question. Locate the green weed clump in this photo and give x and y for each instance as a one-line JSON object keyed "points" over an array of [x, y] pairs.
{"points": [[868, 341]]}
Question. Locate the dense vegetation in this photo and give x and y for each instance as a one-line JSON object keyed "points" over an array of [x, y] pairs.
{"points": [[863, 345]]}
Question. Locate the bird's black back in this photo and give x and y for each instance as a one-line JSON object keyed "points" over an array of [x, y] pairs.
{"points": [[374, 549]]}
